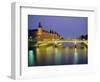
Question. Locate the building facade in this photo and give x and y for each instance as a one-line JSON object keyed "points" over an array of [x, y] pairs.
{"points": [[40, 34]]}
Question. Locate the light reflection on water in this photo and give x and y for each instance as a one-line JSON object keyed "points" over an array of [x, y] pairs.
{"points": [[31, 57], [52, 55], [75, 56], [58, 56]]}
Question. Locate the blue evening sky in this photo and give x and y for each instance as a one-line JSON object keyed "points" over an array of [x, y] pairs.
{"points": [[66, 26]]}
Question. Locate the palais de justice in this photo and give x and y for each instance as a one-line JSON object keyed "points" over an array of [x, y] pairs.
{"points": [[40, 34]]}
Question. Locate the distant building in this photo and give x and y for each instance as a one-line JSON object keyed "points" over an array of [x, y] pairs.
{"points": [[40, 34]]}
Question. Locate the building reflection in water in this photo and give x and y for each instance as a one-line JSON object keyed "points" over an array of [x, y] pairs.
{"points": [[51, 55]]}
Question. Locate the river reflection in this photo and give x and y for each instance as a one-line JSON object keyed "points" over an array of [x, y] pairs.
{"points": [[51, 55]]}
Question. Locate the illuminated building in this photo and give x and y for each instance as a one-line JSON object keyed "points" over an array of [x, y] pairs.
{"points": [[40, 34]]}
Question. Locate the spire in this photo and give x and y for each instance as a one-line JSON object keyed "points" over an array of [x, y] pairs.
{"points": [[40, 25]]}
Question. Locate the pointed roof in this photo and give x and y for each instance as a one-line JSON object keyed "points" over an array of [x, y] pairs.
{"points": [[40, 25]]}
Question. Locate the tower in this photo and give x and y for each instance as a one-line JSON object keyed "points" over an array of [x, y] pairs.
{"points": [[39, 29]]}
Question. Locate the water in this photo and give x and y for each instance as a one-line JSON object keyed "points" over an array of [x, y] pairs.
{"points": [[51, 55]]}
